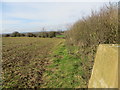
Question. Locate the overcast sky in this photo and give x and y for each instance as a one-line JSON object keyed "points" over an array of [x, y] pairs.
{"points": [[32, 16]]}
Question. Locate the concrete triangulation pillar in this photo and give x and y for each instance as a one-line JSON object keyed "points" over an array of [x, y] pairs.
{"points": [[105, 69]]}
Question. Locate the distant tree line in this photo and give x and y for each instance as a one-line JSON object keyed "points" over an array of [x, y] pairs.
{"points": [[44, 34]]}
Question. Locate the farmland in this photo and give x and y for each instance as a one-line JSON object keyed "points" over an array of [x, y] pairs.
{"points": [[29, 62], [58, 59], [24, 60]]}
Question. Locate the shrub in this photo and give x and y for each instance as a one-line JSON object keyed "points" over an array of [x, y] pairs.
{"points": [[52, 34], [43, 34], [15, 34], [22, 35], [6, 35], [30, 35], [99, 28]]}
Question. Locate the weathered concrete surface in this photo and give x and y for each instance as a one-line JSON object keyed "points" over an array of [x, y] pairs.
{"points": [[105, 69]]}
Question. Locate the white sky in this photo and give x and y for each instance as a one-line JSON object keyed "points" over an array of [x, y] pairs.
{"points": [[24, 16], [59, 0]]}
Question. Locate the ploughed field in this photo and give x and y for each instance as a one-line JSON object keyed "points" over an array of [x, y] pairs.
{"points": [[24, 60], [29, 62]]}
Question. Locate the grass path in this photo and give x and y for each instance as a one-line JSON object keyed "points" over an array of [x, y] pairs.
{"points": [[65, 70]]}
